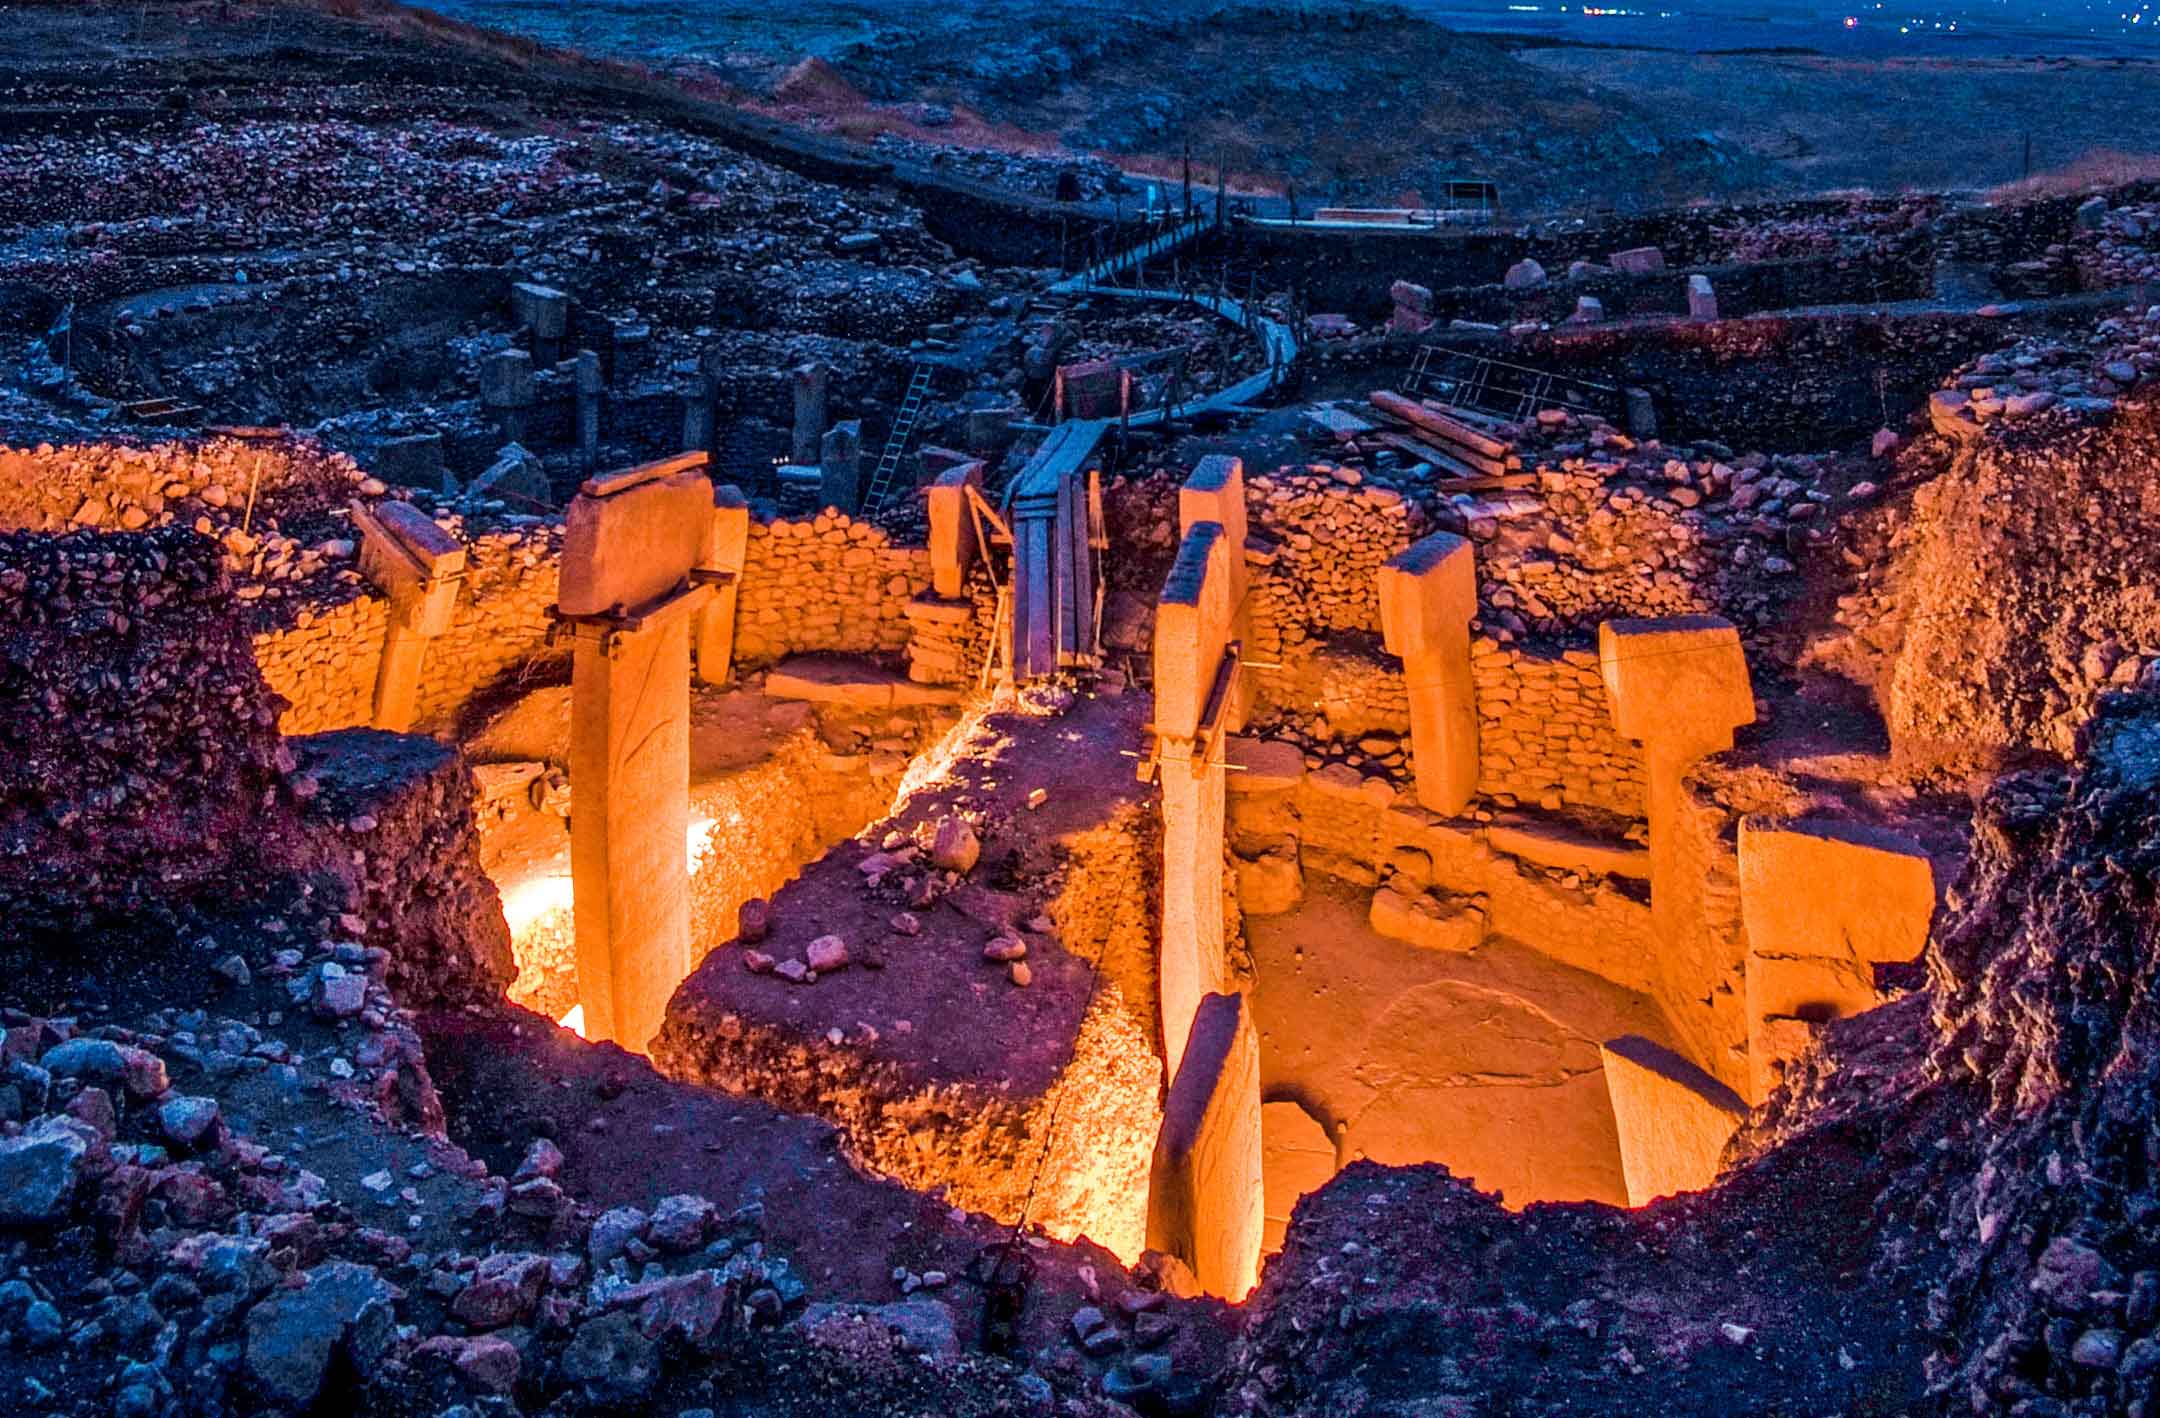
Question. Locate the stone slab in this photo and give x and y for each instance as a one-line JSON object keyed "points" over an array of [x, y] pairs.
{"points": [[844, 680], [1672, 1118], [1565, 848], [632, 537]]}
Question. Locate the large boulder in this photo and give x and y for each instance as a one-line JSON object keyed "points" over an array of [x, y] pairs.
{"points": [[293, 1337], [39, 1170]]}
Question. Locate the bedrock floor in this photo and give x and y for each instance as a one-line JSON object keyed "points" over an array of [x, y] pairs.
{"points": [[1486, 1061]]}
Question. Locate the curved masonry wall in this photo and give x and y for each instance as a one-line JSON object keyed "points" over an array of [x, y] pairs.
{"points": [[324, 662], [830, 583], [1357, 829]]}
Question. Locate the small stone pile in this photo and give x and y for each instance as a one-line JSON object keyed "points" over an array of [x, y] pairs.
{"points": [[2117, 245], [2042, 372]]}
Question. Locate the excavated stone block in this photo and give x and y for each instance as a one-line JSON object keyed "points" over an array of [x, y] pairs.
{"points": [[1206, 1204], [1678, 679], [952, 528], [1672, 1118], [1428, 594], [1554, 845], [1701, 299], [633, 537], [1638, 260], [1427, 922], [1271, 884], [840, 466], [813, 387], [506, 380], [1192, 628], [1216, 493], [543, 310], [1823, 903]]}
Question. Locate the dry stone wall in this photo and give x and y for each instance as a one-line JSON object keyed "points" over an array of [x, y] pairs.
{"points": [[1545, 733], [323, 659], [323, 665], [825, 583]]}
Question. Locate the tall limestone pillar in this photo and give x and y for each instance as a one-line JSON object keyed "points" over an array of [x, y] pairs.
{"points": [[727, 550], [1206, 1203], [630, 543], [1192, 683], [1428, 597]]}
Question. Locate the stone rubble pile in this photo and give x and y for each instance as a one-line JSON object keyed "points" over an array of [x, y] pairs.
{"points": [[2041, 373], [1084, 177], [242, 1280], [2123, 245]]}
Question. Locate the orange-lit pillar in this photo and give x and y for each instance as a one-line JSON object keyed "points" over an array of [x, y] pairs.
{"points": [[630, 542], [1428, 597], [417, 564], [1192, 638], [721, 567], [1679, 686], [1206, 1205]]}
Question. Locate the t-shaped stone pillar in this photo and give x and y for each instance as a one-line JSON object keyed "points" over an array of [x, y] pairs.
{"points": [[545, 312], [589, 389], [1216, 493], [727, 550], [1194, 681], [1824, 903], [415, 563], [1679, 686], [506, 389], [630, 541], [952, 528], [1428, 595], [1206, 1205]]}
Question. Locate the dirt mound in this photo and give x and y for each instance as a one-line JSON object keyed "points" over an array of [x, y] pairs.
{"points": [[2027, 571], [815, 82]]}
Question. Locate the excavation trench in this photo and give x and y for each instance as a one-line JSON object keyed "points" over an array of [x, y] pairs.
{"points": [[774, 784]]}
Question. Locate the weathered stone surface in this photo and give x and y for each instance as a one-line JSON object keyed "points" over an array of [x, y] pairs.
{"points": [[611, 1361], [40, 1168], [293, 1336]]}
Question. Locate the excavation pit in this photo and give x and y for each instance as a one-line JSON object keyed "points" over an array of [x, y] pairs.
{"points": [[1026, 1084]]}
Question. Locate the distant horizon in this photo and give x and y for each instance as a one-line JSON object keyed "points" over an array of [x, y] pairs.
{"points": [[1861, 29]]}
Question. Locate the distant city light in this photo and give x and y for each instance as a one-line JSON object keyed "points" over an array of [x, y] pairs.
{"points": [[1852, 22]]}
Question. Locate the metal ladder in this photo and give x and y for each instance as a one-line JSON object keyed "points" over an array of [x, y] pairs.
{"points": [[896, 442], [1413, 383]]}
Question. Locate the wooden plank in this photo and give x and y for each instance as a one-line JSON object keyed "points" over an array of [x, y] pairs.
{"points": [[1440, 458], [1474, 444], [1477, 462]]}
